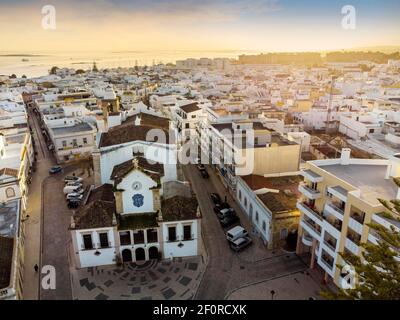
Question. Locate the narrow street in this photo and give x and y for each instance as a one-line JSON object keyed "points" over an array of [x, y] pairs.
{"points": [[227, 270], [33, 224]]}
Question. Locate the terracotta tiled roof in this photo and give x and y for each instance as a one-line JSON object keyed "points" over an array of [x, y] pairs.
{"points": [[137, 221], [179, 208], [155, 170], [103, 192], [96, 214], [190, 107], [128, 131], [9, 172]]}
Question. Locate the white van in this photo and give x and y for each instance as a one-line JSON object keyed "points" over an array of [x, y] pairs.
{"points": [[236, 233], [69, 189]]}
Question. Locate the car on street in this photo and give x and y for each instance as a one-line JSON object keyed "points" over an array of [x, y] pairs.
{"points": [[229, 220], [74, 183], [72, 178], [215, 198], [55, 169], [218, 207], [70, 189], [240, 243], [225, 213], [74, 196], [236, 233], [204, 174], [73, 204]]}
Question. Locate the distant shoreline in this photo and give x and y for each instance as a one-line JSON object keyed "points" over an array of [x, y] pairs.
{"points": [[22, 55]]}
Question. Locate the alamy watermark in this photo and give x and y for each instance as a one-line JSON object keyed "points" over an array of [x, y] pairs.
{"points": [[49, 17]]}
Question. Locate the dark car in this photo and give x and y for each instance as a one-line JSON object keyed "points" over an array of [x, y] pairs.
{"points": [[229, 220], [215, 198], [204, 174], [240, 244], [55, 169], [73, 204], [218, 207]]}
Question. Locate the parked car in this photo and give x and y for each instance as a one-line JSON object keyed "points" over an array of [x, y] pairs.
{"points": [[218, 207], [73, 183], [73, 204], [225, 213], [215, 198], [240, 243], [204, 174], [55, 169], [74, 196], [236, 233], [69, 189], [72, 178], [229, 220]]}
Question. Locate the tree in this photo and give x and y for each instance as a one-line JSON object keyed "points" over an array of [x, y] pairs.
{"points": [[53, 70], [24, 76], [13, 76], [79, 71], [377, 270]]}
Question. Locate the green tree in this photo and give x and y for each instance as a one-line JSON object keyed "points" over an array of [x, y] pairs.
{"points": [[377, 270], [13, 76], [53, 70], [79, 71]]}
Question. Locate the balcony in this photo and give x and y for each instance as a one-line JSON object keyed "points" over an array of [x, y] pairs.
{"points": [[307, 240], [351, 246], [355, 225], [308, 192], [334, 210], [311, 176], [311, 227], [338, 192], [309, 212]]}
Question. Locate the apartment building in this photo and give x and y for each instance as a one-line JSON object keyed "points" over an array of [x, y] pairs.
{"points": [[339, 199], [247, 147], [185, 120], [72, 141]]}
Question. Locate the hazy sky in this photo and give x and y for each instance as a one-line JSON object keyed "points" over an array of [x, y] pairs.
{"points": [[261, 25]]}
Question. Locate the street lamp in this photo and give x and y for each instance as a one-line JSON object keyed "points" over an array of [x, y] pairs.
{"points": [[272, 294]]}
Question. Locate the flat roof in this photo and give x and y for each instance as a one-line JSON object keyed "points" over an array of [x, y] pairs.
{"points": [[9, 218], [79, 127], [370, 179]]}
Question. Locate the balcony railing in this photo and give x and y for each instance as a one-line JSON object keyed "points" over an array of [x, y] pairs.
{"points": [[303, 206], [309, 192], [188, 237], [311, 224]]}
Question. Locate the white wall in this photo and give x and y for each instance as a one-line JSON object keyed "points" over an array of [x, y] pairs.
{"points": [[189, 248], [146, 182]]}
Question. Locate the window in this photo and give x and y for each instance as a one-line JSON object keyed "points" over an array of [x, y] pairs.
{"points": [[245, 202], [85, 140], [187, 125], [283, 233], [187, 232], [264, 226], [64, 143], [240, 195], [10, 192], [251, 209], [138, 237], [104, 240], [193, 116], [74, 142], [87, 242], [152, 235], [171, 233], [125, 238], [257, 216]]}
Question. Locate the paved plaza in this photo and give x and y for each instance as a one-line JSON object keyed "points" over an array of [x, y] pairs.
{"points": [[161, 280]]}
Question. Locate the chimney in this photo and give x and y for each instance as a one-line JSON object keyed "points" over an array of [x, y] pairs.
{"points": [[345, 156]]}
